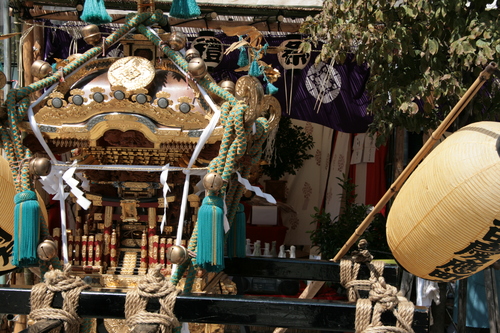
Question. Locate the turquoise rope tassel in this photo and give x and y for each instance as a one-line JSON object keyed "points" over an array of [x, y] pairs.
{"points": [[236, 240], [185, 9], [26, 229], [94, 11], [210, 250], [271, 89], [254, 69], [243, 57]]}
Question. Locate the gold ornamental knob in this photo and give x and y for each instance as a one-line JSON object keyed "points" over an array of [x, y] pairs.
{"points": [[40, 166], [91, 34], [41, 69], [228, 86], [46, 250], [191, 53], [212, 181], [197, 68], [177, 40], [177, 254]]}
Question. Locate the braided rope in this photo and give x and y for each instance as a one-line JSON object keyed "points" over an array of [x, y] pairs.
{"points": [[188, 283], [386, 298], [42, 295], [153, 285], [255, 152], [193, 242]]}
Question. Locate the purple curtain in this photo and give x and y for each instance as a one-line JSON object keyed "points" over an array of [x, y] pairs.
{"points": [[297, 92]]}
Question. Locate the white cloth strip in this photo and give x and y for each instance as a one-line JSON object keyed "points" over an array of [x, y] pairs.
{"points": [[255, 189]]}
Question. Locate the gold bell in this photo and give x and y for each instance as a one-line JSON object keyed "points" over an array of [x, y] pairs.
{"points": [[41, 69], [177, 254], [228, 86], [91, 34], [191, 53], [177, 40], [197, 68], [40, 166], [46, 250], [212, 181]]}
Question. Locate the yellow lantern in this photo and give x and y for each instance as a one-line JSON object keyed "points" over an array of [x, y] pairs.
{"points": [[444, 224]]}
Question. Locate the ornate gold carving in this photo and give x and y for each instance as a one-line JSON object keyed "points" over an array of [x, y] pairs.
{"points": [[108, 216], [96, 199], [78, 92], [56, 94], [117, 281], [129, 210], [116, 326], [98, 216], [152, 217], [271, 107], [161, 202], [249, 89], [74, 114], [131, 72]]}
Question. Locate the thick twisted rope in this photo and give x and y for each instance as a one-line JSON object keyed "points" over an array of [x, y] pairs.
{"points": [[42, 296], [349, 269], [153, 285], [181, 268], [386, 298]]}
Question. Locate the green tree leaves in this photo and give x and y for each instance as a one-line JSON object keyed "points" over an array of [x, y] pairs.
{"points": [[422, 55]]}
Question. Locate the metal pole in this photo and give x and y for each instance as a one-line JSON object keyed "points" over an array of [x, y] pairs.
{"points": [[6, 44]]}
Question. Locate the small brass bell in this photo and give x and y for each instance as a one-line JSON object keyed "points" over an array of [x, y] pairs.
{"points": [[91, 34], [212, 181], [191, 53], [41, 69], [177, 254], [228, 86], [197, 68], [177, 40], [46, 250], [40, 166]]}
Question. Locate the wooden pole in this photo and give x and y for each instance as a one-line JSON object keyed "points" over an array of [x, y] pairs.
{"points": [[426, 148]]}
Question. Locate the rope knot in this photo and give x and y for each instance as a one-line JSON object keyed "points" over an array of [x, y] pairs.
{"points": [[153, 285], [362, 255], [384, 294], [42, 296]]}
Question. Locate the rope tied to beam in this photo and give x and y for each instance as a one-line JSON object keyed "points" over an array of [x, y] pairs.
{"points": [[349, 269], [386, 298], [43, 293], [152, 285]]}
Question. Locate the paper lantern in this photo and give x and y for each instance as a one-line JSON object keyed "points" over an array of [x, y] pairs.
{"points": [[7, 191], [444, 224], [210, 48], [291, 58]]}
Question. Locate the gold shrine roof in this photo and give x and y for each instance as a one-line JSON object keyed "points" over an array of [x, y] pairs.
{"points": [[125, 94]]}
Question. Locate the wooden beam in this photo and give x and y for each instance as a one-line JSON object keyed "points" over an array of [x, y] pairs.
{"points": [[241, 10], [262, 24], [220, 309]]}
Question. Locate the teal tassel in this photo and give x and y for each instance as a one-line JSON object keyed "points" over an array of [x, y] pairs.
{"points": [[236, 240], [243, 58], [94, 12], [254, 69], [210, 248], [271, 89], [185, 9], [26, 229]]}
